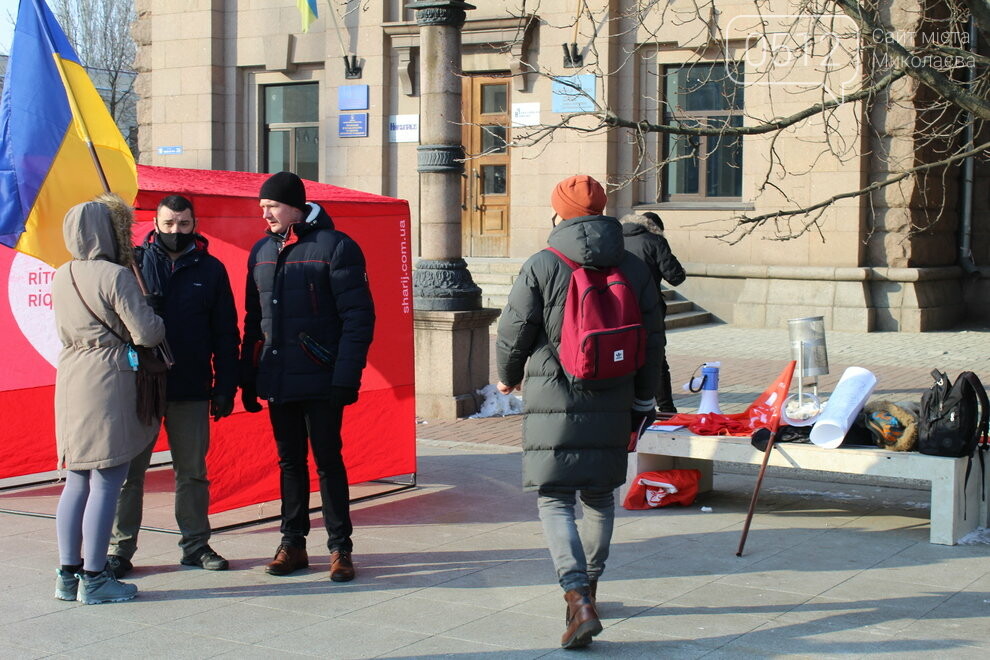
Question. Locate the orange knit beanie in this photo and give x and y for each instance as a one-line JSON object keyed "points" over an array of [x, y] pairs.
{"points": [[578, 196]]}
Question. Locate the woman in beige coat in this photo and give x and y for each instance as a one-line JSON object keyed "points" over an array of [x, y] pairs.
{"points": [[97, 430]]}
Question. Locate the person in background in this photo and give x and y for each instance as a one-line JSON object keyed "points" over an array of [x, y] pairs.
{"points": [[309, 321], [644, 237], [189, 288], [575, 439], [97, 430]]}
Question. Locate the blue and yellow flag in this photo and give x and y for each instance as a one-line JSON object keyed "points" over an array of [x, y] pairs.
{"points": [[50, 114], [307, 11]]}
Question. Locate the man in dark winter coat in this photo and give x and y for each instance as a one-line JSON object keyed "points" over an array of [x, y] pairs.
{"points": [[308, 324], [644, 238], [575, 434], [189, 288]]}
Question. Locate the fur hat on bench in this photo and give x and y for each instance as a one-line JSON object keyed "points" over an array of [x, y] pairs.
{"points": [[892, 425]]}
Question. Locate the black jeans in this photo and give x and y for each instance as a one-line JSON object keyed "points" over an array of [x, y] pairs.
{"points": [[664, 391], [319, 421]]}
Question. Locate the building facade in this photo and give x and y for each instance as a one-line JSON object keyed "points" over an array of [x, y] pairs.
{"points": [[236, 84]]}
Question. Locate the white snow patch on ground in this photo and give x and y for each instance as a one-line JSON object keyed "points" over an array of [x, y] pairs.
{"points": [[820, 494], [980, 535]]}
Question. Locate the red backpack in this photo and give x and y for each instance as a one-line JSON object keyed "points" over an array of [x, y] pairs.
{"points": [[603, 334]]}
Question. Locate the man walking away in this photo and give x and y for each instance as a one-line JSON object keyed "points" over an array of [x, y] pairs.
{"points": [[575, 433], [309, 321], [190, 290]]}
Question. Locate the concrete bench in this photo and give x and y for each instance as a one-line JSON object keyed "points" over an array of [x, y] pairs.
{"points": [[665, 450]]}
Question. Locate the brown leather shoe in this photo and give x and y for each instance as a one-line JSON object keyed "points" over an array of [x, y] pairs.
{"points": [[341, 566], [287, 560], [582, 620]]}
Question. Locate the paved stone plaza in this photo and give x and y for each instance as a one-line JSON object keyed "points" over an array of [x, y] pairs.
{"points": [[457, 566]]}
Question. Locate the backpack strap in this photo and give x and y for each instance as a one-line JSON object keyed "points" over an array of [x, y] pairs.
{"points": [[982, 428], [573, 265]]}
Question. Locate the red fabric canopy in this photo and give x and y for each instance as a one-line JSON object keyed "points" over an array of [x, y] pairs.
{"points": [[379, 430]]}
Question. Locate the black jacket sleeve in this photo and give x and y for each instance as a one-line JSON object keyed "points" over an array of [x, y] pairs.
{"points": [[356, 309], [253, 337], [225, 337], [668, 267]]}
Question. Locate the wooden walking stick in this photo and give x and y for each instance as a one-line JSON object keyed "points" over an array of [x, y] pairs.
{"points": [[758, 436]]}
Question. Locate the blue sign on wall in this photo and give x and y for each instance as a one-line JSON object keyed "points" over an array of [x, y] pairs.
{"points": [[170, 151], [352, 97], [352, 125], [573, 93]]}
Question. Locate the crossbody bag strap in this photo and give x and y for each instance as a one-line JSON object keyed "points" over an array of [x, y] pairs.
{"points": [[89, 309]]}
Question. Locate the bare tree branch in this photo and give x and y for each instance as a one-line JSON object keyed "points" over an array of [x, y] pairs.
{"points": [[914, 66]]}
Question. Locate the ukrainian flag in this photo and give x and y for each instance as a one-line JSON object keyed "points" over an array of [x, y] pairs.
{"points": [[307, 11], [56, 136]]}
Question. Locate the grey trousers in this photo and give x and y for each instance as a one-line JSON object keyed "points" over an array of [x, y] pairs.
{"points": [[188, 426], [578, 555]]}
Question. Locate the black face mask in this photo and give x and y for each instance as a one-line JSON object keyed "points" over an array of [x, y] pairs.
{"points": [[174, 242]]}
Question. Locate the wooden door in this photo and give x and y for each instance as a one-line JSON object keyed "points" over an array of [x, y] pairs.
{"points": [[485, 183]]}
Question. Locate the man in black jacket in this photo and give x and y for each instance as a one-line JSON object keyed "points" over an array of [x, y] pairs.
{"points": [[644, 237], [309, 320], [190, 290]]}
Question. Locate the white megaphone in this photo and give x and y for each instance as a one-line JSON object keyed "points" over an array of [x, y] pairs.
{"points": [[707, 384]]}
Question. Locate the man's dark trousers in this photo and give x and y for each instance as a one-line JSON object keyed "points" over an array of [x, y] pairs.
{"points": [[319, 421]]}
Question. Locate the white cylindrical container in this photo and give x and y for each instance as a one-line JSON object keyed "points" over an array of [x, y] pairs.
{"points": [[849, 397]]}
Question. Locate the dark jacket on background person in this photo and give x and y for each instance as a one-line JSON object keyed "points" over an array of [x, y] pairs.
{"points": [[646, 241], [309, 316], [195, 300], [573, 436]]}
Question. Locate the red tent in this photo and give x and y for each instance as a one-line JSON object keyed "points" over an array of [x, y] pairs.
{"points": [[379, 430]]}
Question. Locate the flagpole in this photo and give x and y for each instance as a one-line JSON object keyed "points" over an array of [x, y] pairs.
{"points": [[83, 129], [80, 123]]}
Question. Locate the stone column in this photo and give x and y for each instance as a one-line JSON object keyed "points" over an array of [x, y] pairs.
{"points": [[441, 280], [451, 328]]}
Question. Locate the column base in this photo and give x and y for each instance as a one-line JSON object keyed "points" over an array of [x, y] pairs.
{"points": [[452, 361]]}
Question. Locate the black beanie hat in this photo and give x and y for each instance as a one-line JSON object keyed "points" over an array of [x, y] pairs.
{"points": [[287, 188]]}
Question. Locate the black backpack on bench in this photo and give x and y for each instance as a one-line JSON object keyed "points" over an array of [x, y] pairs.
{"points": [[954, 419], [954, 416]]}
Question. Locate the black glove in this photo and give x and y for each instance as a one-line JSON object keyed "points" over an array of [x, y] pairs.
{"points": [[156, 302], [249, 397], [343, 396], [637, 417], [221, 405], [639, 421]]}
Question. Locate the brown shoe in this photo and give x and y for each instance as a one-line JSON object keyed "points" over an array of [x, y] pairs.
{"points": [[341, 566], [582, 620], [287, 560]]}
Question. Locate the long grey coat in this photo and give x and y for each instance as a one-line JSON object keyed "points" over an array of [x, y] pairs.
{"points": [[574, 435], [96, 423]]}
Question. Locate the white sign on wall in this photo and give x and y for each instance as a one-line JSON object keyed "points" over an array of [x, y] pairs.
{"points": [[525, 114], [403, 128]]}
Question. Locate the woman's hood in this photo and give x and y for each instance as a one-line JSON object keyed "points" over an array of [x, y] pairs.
{"points": [[100, 229]]}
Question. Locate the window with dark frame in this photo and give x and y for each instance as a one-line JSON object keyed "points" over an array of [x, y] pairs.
{"points": [[709, 166], [292, 129]]}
